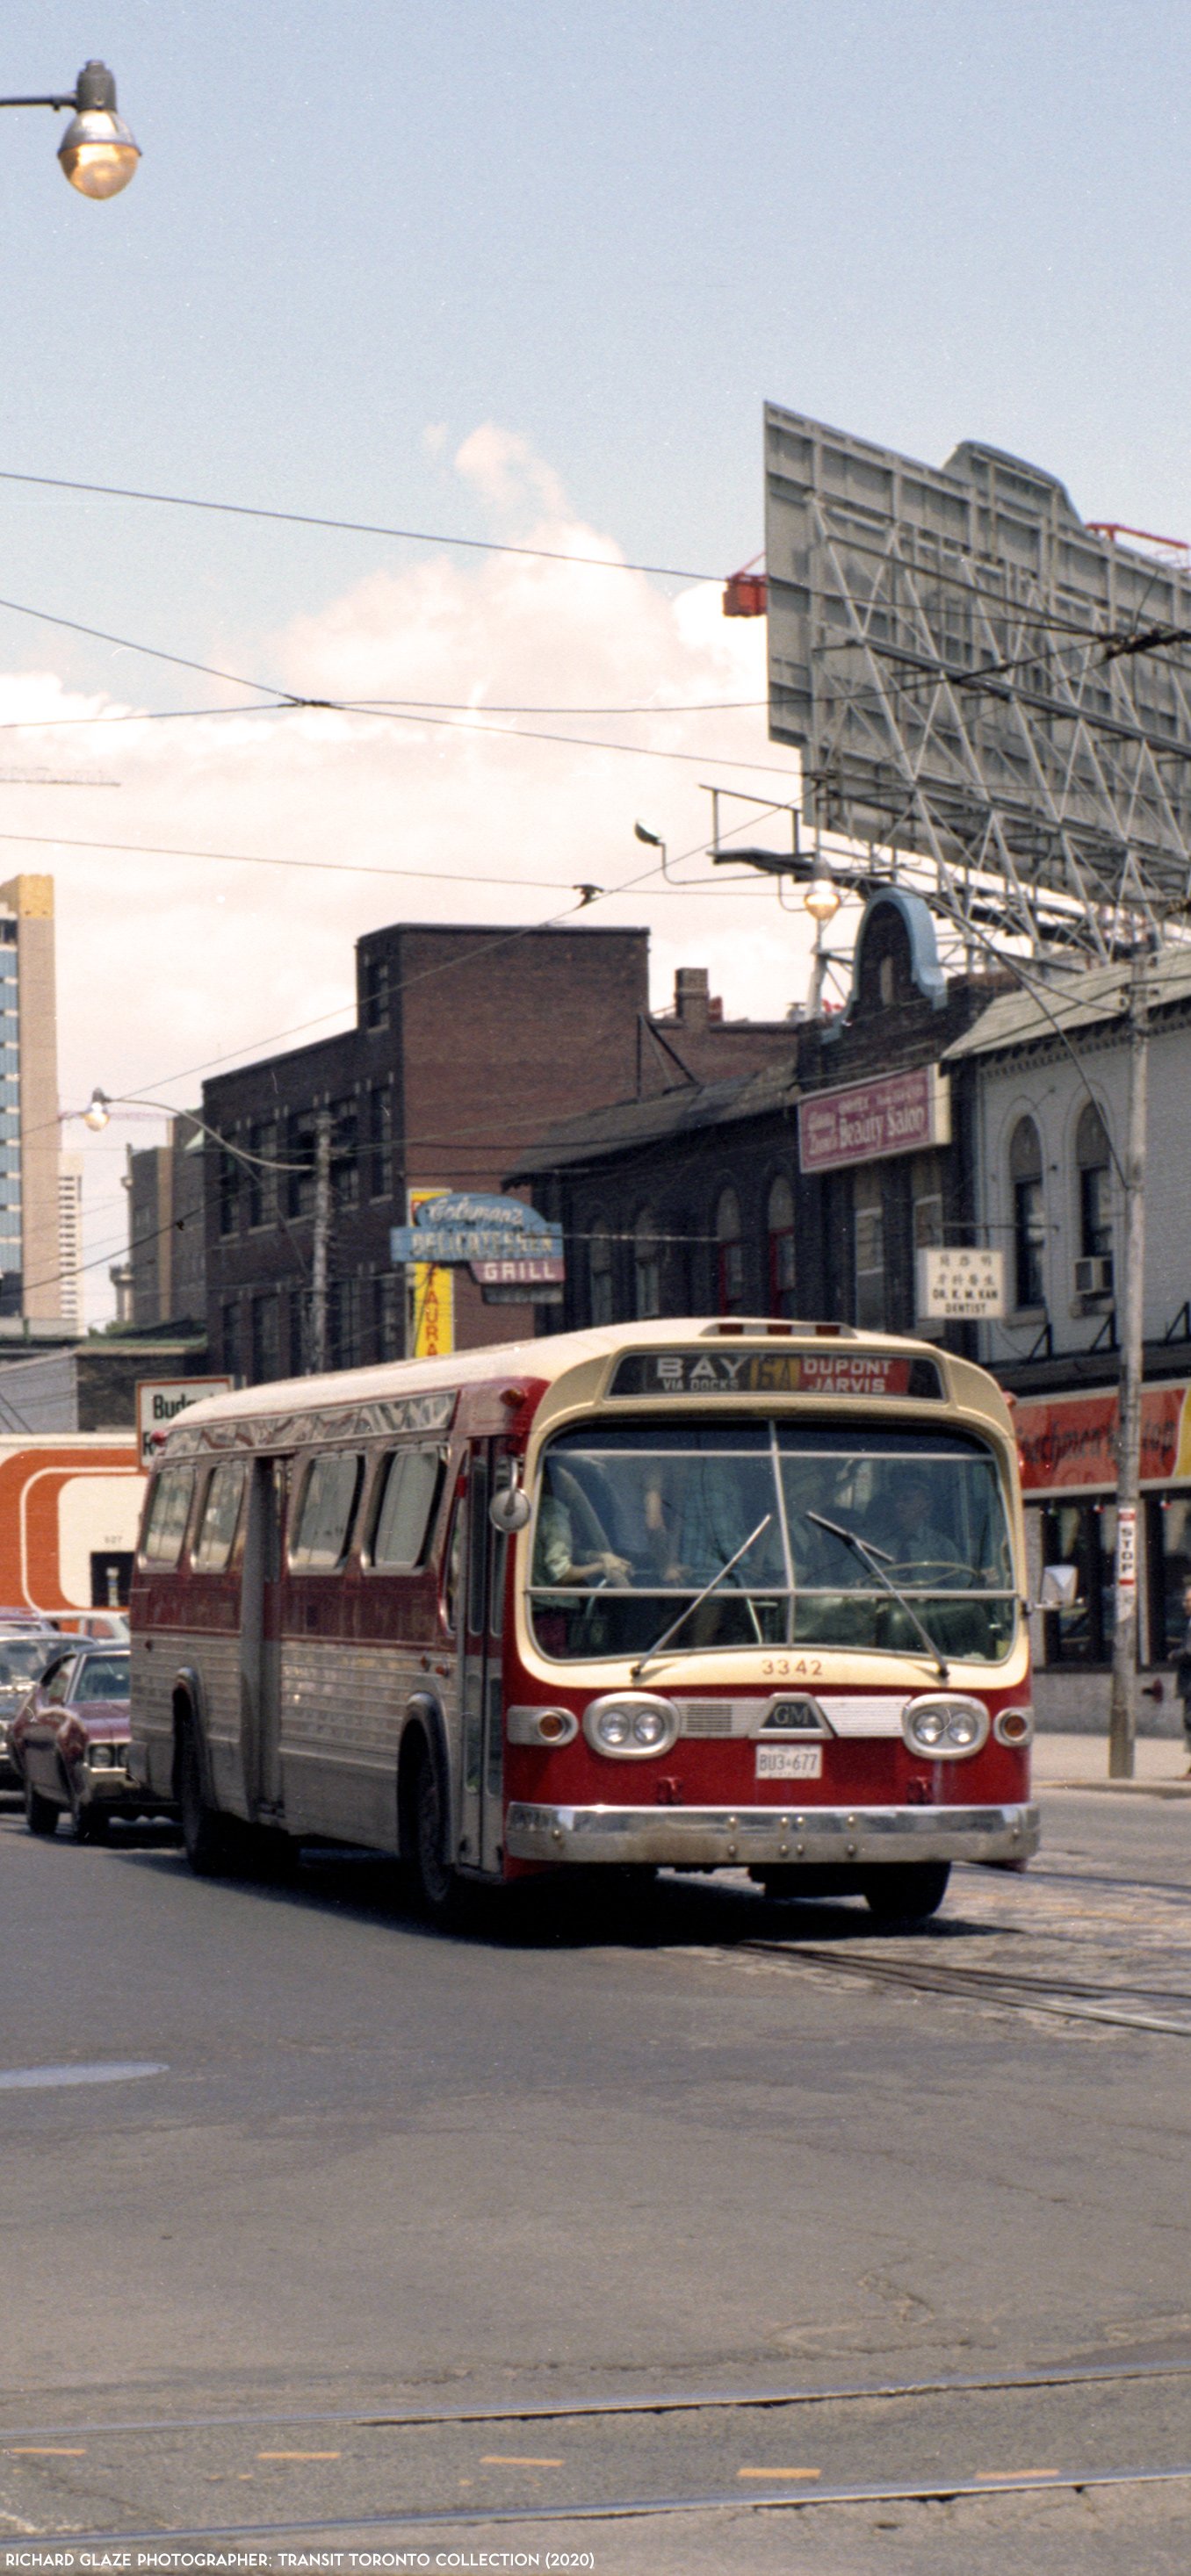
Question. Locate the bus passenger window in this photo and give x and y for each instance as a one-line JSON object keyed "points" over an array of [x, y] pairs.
{"points": [[168, 1513], [221, 1513], [407, 1501], [325, 1514], [455, 1563], [476, 1605]]}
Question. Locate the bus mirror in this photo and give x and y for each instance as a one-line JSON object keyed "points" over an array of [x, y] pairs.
{"points": [[508, 1510]]}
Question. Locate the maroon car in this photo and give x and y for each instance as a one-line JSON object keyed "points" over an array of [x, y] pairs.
{"points": [[70, 1744]]}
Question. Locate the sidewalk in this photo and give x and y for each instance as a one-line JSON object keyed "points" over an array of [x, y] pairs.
{"points": [[1081, 1762]]}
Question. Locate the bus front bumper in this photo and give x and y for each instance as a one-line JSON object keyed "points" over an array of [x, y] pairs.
{"points": [[766, 1837]]}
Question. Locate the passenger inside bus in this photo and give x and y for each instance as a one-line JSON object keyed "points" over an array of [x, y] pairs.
{"points": [[904, 1526]]}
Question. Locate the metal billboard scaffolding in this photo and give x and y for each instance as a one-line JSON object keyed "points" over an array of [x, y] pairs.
{"points": [[984, 685], [998, 698]]}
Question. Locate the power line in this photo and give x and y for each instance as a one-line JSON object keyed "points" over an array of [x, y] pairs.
{"points": [[355, 527]]}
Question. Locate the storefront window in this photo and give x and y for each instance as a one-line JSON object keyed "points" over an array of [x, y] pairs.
{"points": [[868, 1205], [1169, 1536], [599, 1272], [782, 1287], [647, 1272], [730, 1260], [1083, 1536]]}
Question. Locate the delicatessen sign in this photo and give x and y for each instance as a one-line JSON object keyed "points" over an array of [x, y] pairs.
{"points": [[899, 1113]]}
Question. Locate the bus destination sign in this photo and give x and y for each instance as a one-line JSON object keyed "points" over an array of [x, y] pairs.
{"points": [[839, 1371]]}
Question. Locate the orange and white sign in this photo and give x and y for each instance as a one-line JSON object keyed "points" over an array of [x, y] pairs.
{"points": [[65, 1500]]}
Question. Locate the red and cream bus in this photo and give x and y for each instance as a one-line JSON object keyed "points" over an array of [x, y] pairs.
{"points": [[690, 1595]]}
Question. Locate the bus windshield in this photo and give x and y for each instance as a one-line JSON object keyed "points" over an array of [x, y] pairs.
{"points": [[630, 1518]]}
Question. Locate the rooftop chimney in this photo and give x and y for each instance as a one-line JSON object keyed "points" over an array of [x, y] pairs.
{"points": [[691, 1000]]}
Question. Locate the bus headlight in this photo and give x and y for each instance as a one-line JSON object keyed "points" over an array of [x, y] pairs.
{"points": [[944, 1727], [630, 1724]]}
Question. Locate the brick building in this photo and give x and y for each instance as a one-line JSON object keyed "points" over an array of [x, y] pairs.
{"points": [[166, 1227], [698, 1201], [468, 1043]]}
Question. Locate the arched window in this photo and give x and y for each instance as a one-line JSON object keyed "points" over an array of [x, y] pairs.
{"points": [[1093, 1161], [730, 1255], [599, 1273], [1029, 1219], [647, 1275], [780, 1228]]}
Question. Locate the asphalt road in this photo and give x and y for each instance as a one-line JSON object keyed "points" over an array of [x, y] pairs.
{"points": [[721, 2151]]}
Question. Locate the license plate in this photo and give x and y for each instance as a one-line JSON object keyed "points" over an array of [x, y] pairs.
{"points": [[789, 1762]]}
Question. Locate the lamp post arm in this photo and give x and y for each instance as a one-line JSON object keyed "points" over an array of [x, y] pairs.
{"points": [[239, 1153], [61, 100]]}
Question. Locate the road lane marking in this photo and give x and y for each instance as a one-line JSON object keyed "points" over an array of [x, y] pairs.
{"points": [[779, 2473], [42, 2451], [299, 2455], [515, 2460], [31, 2078]]}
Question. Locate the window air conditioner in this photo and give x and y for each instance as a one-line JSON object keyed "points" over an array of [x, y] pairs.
{"points": [[1093, 1275]]}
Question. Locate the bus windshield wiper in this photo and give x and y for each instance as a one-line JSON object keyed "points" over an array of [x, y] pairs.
{"points": [[689, 1608], [871, 1556]]}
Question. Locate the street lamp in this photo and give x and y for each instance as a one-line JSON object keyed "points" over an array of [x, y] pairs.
{"points": [[822, 900], [97, 152], [97, 1115]]}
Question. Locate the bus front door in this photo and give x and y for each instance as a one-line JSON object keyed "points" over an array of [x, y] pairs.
{"points": [[260, 1641], [482, 1611]]}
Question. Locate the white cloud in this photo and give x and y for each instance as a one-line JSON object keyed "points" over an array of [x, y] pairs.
{"points": [[167, 963]]}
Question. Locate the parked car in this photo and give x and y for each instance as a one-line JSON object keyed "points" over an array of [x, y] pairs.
{"points": [[109, 1625], [70, 1744], [24, 1654]]}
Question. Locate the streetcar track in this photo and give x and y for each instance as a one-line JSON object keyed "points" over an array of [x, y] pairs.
{"points": [[658, 2402], [1103, 1878], [1061, 1997], [635, 2508]]}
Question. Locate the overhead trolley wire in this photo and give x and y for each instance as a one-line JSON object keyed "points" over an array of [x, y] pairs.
{"points": [[356, 527]]}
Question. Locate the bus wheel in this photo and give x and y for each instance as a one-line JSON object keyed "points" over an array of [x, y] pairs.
{"points": [[436, 1884], [41, 1815], [907, 1891], [203, 1832]]}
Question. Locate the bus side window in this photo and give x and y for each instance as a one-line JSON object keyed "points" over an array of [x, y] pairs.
{"points": [[166, 1516], [456, 1558], [496, 1605], [408, 1490], [479, 1547], [325, 1513], [220, 1516]]}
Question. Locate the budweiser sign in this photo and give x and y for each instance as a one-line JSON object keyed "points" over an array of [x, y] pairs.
{"points": [[900, 1113]]}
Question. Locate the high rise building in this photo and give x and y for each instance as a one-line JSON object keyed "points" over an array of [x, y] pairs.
{"points": [[70, 1238], [29, 1205]]}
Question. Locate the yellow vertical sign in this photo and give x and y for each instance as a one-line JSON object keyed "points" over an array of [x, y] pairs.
{"points": [[431, 1297]]}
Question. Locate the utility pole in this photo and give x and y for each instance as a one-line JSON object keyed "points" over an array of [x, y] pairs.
{"points": [[1122, 1724], [321, 1243]]}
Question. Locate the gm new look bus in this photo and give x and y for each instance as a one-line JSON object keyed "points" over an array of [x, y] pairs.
{"points": [[697, 1595]]}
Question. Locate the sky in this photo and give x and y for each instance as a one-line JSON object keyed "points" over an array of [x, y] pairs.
{"points": [[523, 276]]}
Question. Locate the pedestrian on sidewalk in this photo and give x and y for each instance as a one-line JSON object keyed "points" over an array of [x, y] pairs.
{"points": [[1183, 1671]]}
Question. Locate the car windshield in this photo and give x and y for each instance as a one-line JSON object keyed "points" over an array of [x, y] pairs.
{"points": [[102, 1677], [20, 1663], [629, 1520]]}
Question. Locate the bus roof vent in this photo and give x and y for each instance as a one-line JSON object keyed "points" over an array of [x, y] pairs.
{"points": [[774, 1324]]}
